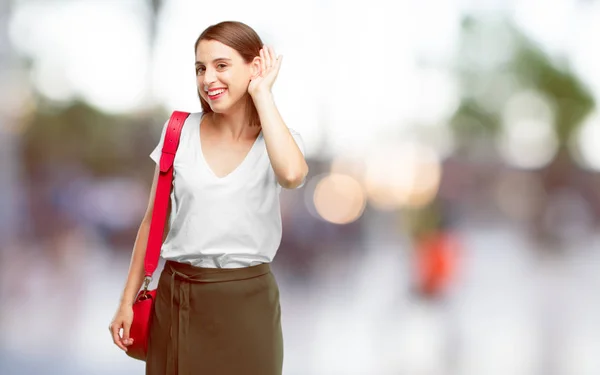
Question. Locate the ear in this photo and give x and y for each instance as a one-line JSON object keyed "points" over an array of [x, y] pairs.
{"points": [[255, 67]]}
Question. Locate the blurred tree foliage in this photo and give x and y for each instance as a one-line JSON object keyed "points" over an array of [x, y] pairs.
{"points": [[497, 51], [103, 144], [79, 134], [495, 61]]}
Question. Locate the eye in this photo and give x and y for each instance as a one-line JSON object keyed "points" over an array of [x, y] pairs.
{"points": [[221, 66], [200, 69]]}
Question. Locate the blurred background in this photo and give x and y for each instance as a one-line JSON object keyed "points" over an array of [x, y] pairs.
{"points": [[449, 225]]}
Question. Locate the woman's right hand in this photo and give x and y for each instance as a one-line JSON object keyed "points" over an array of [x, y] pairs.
{"points": [[122, 320]]}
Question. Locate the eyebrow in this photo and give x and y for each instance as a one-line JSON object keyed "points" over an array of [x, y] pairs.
{"points": [[217, 59]]}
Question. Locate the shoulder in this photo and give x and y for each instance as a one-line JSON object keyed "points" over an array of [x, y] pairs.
{"points": [[194, 115], [192, 118]]}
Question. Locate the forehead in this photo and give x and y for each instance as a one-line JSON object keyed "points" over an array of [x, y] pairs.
{"points": [[209, 50]]}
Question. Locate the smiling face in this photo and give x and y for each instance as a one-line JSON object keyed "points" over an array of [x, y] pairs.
{"points": [[222, 76]]}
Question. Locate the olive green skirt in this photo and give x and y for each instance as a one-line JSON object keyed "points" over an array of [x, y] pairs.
{"points": [[215, 321]]}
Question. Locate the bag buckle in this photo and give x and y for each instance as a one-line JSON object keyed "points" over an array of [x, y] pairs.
{"points": [[144, 294], [147, 281]]}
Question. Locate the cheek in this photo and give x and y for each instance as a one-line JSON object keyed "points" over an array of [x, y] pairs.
{"points": [[235, 81], [229, 77]]}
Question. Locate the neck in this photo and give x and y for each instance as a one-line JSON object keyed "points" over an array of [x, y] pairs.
{"points": [[234, 124]]}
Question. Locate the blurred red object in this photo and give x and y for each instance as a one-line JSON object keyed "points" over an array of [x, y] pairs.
{"points": [[437, 255]]}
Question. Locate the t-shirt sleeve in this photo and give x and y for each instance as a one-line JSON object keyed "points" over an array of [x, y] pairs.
{"points": [[298, 139], [155, 154]]}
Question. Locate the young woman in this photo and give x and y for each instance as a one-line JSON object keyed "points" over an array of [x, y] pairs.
{"points": [[217, 309]]}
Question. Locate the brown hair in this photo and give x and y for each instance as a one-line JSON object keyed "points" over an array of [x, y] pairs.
{"points": [[245, 41]]}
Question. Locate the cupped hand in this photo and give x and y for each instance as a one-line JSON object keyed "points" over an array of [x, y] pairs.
{"points": [[269, 69]]}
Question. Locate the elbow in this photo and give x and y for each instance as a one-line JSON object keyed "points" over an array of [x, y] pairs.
{"points": [[294, 179], [291, 183]]}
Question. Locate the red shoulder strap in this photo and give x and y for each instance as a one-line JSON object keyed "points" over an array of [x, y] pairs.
{"points": [[163, 191]]}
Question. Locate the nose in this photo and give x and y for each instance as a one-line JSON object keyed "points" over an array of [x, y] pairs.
{"points": [[209, 77]]}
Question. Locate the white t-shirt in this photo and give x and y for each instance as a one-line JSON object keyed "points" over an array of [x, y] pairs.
{"points": [[228, 222]]}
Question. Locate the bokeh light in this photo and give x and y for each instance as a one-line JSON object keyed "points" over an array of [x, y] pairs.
{"points": [[585, 144], [339, 199], [402, 175], [528, 139]]}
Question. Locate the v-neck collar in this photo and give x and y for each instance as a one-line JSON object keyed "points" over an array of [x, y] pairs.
{"points": [[238, 169]]}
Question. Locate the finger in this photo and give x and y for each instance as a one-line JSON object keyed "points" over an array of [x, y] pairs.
{"points": [[116, 338], [262, 62], [267, 55], [126, 339], [273, 56]]}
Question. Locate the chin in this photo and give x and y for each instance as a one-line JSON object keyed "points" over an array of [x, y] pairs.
{"points": [[224, 107], [219, 108]]}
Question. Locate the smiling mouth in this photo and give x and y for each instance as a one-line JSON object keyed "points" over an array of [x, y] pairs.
{"points": [[216, 94]]}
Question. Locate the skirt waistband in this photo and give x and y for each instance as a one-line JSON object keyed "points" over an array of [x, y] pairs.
{"points": [[213, 275]]}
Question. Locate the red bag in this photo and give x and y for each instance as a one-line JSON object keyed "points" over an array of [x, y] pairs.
{"points": [[143, 304]]}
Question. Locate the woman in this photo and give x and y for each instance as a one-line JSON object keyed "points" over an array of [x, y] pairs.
{"points": [[217, 310]]}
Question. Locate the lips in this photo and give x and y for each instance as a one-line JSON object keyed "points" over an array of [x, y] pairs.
{"points": [[215, 94]]}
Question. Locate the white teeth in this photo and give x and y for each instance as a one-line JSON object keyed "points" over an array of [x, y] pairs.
{"points": [[216, 92]]}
